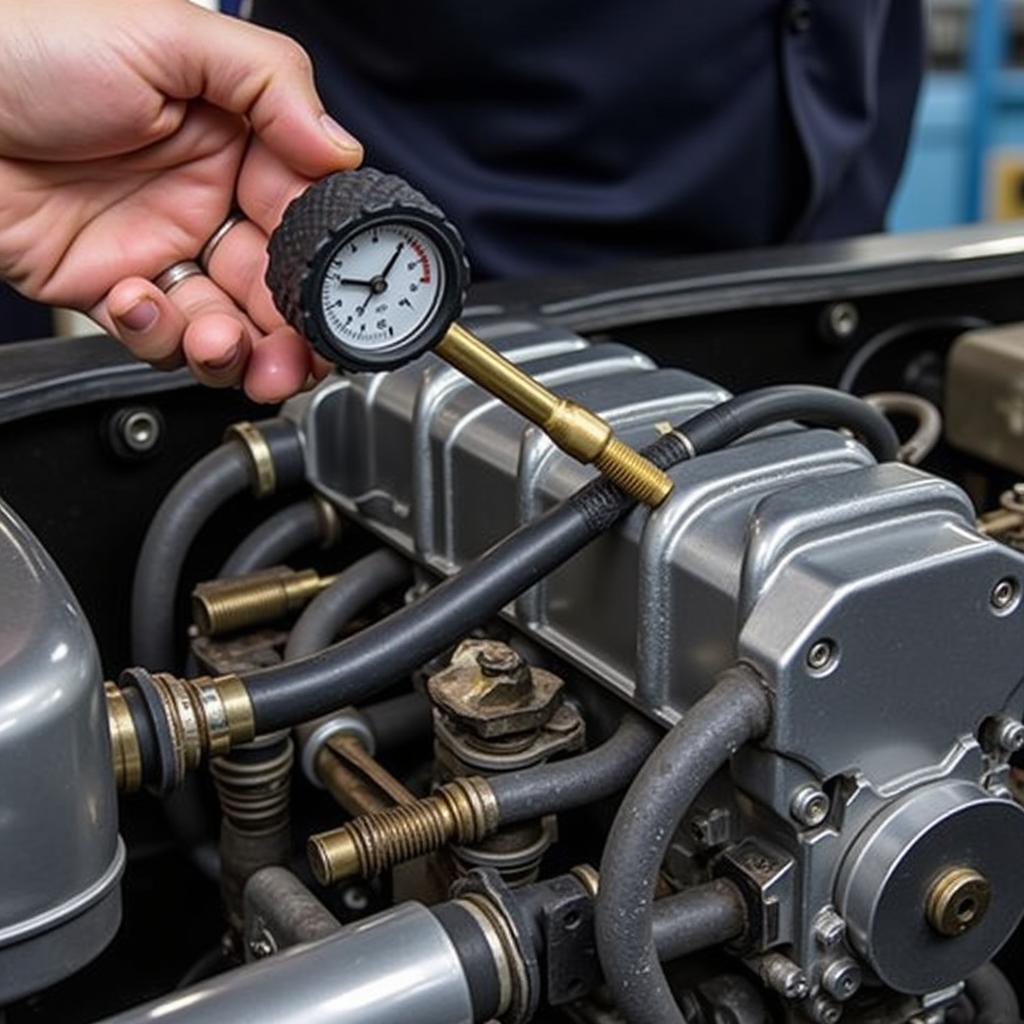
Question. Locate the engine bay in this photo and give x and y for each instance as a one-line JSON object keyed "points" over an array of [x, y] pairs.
{"points": [[383, 708]]}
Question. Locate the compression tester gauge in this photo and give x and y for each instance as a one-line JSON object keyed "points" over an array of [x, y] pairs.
{"points": [[374, 275]]}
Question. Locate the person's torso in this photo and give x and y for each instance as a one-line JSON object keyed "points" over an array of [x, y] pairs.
{"points": [[567, 134]]}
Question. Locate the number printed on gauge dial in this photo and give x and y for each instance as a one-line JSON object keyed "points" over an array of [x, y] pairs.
{"points": [[381, 286]]}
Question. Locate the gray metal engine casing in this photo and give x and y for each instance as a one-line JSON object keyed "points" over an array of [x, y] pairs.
{"points": [[61, 858], [764, 549]]}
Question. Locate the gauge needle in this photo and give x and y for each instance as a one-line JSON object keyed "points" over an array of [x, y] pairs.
{"points": [[391, 262], [353, 280]]}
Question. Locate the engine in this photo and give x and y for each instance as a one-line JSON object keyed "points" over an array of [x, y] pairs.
{"points": [[456, 734]]}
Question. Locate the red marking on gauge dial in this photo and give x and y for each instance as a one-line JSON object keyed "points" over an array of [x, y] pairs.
{"points": [[421, 253]]}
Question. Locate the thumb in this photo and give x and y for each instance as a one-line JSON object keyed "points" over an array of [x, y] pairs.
{"points": [[267, 78]]}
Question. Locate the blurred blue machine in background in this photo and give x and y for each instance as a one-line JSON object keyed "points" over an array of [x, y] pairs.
{"points": [[966, 160]]}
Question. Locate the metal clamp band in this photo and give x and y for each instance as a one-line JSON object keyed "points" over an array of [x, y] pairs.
{"points": [[264, 481], [329, 519]]}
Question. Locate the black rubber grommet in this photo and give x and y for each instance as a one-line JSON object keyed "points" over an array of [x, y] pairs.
{"points": [[475, 956], [161, 774]]}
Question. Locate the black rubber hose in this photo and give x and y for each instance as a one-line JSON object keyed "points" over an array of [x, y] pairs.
{"points": [[698, 918], [362, 583], [389, 650], [737, 710], [194, 498], [993, 997], [276, 539], [399, 721], [722, 424], [223, 473], [349, 672], [562, 785]]}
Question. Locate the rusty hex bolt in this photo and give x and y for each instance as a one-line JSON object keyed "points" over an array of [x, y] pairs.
{"points": [[490, 691]]}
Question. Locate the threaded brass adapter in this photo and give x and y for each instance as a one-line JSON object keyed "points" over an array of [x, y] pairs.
{"points": [[576, 430], [202, 717], [634, 474], [224, 606], [463, 811]]}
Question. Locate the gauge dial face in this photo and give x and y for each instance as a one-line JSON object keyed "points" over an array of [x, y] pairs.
{"points": [[382, 286]]}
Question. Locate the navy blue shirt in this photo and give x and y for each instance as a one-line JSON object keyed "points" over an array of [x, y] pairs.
{"points": [[567, 133]]}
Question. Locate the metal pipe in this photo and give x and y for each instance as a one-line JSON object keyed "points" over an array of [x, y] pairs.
{"points": [[392, 968], [575, 429], [698, 918]]}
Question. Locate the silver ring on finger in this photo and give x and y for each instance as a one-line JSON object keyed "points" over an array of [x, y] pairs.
{"points": [[217, 237], [175, 274]]}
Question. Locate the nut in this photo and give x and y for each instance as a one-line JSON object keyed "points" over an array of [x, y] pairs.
{"points": [[1005, 594], [489, 690], [1006, 733], [829, 928], [810, 806], [842, 979], [821, 656], [781, 975], [824, 1011]]}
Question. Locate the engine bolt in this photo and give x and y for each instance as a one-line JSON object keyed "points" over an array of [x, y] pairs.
{"points": [[1004, 594], [824, 1011], [781, 975], [141, 430], [1008, 733], [810, 806], [821, 655], [262, 945], [842, 979], [842, 320], [499, 660], [829, 928]]}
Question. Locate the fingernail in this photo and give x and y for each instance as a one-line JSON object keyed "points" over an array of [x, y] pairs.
{"points": [[339, 136], [140, 317], [225, 361]]}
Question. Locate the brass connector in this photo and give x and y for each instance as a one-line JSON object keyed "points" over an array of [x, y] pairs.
{"points": [[124, 743], [576, 430], [463, 811], [957, 901], [204, 717], [359, 783], [264, 476], [224, 606]]}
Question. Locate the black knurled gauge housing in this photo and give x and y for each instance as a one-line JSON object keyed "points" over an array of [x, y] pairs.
{"points": [[317, 224]]}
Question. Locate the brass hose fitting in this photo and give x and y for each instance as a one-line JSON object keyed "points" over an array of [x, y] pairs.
{"points": [[124, 744], [192, 718], [264, 476], [576, 430], [224, 606], [463, 811]]}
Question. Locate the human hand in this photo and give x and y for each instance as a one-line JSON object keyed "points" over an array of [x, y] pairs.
{"points": [[129, 129]]}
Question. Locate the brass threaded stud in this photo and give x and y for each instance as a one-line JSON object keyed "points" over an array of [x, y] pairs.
{"points": [[225, 606], [634, 474], [463, 811]]}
